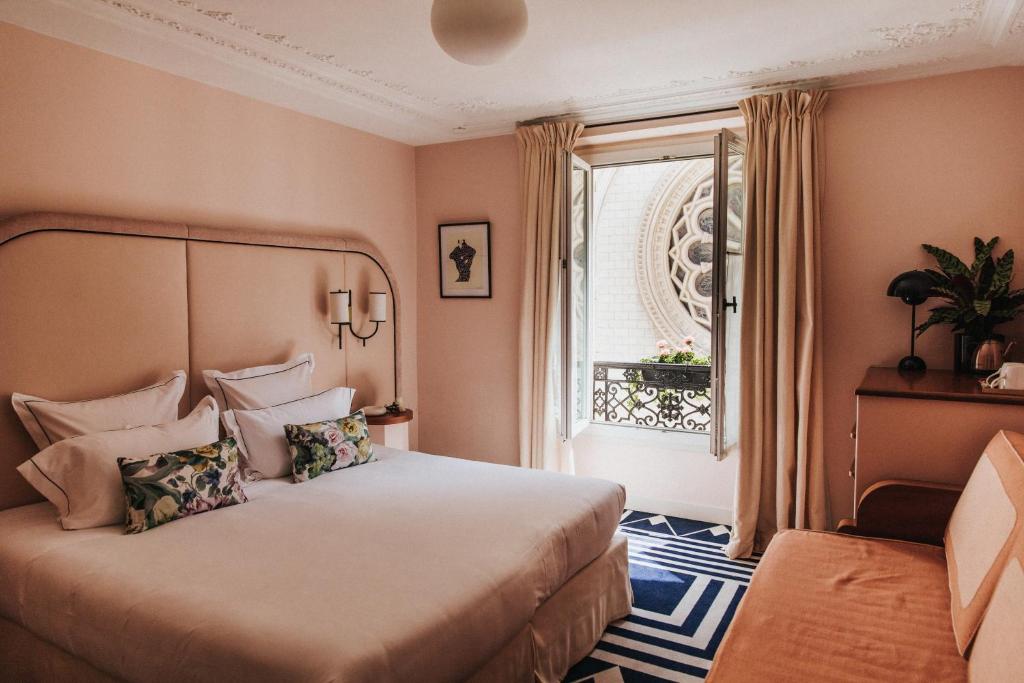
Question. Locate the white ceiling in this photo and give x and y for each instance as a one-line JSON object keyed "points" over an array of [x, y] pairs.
{"points": [[373, 64]]}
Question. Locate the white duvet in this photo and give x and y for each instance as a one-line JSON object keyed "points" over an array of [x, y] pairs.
{"points": [[413, 568]]}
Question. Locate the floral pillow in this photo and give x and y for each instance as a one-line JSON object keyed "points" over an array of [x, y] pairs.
{"points": [[168, 486], [321, 447]]}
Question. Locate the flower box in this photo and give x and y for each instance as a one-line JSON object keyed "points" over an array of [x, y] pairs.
{"points": [[676, 376]]}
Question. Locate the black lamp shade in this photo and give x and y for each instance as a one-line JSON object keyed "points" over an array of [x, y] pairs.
{"points": [[912, 287]]}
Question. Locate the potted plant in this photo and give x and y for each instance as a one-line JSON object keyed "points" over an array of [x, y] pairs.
{"points": [[976, 298], [685, 366], [672, 370]]}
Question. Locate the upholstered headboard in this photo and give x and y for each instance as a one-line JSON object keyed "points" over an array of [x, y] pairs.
{"points": [[93, 306]]}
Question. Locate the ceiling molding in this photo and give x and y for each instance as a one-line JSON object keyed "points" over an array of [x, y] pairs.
{"points": [[229, 19], [209, 41], [269, 60], [727, 93], [1018, 24], [965, 16], [682, 97], [1000, 20]]}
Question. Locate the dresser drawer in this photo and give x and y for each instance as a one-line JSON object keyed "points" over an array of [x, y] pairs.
{"points": [[914, 430]]}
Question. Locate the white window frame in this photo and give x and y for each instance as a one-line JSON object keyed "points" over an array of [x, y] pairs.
{"points": [[694, 146], [570, 424]]}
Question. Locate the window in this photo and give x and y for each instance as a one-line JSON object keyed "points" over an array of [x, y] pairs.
{"points": [[646, 267], [574, 404]]}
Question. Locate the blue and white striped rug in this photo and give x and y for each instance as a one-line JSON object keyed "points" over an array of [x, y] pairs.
{"points": [[685, 592]]}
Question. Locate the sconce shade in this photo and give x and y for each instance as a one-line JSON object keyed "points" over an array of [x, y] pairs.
{"points": [[912, 287], [378, 307], [339, 307]]}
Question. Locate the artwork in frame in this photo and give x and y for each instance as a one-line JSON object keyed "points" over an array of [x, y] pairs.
{"points": [[464, 258]]}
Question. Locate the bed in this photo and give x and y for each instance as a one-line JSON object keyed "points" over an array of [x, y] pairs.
{"points": [[416, 567], [405, 569]]}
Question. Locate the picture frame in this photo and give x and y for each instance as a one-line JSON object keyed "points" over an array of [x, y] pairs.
{"points": [[464, 260]]}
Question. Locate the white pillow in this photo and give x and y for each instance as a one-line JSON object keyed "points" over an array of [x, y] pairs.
{"points": [[80, 475], [262, 386], [48, 421], [260, 433]]}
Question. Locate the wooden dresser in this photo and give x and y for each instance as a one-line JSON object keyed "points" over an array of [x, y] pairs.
{"points": [[930, 427]]}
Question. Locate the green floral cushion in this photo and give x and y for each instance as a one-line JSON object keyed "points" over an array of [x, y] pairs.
{"points": [[321, 447], [168, 486]]}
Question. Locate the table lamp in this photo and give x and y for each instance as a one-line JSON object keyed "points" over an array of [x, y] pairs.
{"points": [[912, 288]]}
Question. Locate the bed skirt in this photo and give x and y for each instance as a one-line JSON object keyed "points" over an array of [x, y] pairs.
{"points": [[563, 631]]}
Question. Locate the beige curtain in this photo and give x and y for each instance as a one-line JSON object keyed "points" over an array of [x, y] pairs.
{"points": [[781, 469], [544, 151]]}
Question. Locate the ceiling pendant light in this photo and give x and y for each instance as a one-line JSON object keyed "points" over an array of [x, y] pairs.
{"points": [[478, 32]]}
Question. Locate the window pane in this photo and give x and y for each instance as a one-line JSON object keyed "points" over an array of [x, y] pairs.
{"points": [[650, 252], [728, 265], [580, 295]]}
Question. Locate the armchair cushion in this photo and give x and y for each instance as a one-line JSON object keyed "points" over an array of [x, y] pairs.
{"points": [[985, 523], [996, 654], [827, 607]]}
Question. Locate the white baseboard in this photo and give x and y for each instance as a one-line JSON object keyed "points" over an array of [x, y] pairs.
{"points": [[677, 508]]}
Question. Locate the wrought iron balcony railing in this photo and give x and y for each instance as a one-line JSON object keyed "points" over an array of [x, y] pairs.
{"points": [[655, 395]]}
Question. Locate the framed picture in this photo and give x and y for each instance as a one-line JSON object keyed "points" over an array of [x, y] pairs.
{"points": [[464, 259]]}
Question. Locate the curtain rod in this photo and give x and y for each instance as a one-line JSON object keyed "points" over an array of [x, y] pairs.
{"points": [[662, 117]]}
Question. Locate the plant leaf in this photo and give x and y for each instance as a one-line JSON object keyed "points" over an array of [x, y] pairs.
{"points": [[1003, 272], [964, 288], [939, 315], [937, 277], [982, 306], [1003, 313], [950, 264], [982, 252], [945, 292], [984, 277]]}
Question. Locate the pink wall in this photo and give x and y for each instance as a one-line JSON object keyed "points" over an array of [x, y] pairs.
{"points": [[81, 131], [935, 160], [468, 348]]}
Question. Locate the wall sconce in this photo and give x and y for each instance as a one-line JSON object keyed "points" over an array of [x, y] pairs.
{"points": [[341, 313]]}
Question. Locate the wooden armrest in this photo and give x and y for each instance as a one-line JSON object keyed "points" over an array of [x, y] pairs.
{"points": [[904, 510]]}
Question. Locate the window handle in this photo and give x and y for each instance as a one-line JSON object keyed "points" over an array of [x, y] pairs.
{"points": [[730, 304]]}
